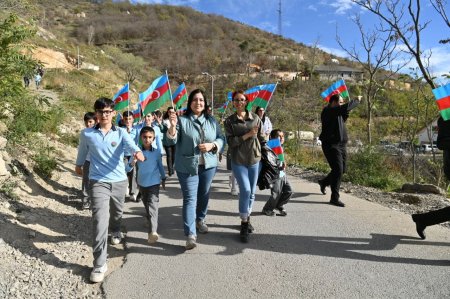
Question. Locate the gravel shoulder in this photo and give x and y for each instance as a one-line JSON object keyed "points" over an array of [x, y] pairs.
{"points": [[408, 203]]}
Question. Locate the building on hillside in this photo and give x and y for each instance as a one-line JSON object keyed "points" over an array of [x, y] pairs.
{"points": [[336, 72], [286, 76], [429, 133]]}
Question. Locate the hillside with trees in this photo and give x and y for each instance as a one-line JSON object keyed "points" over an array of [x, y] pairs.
{"points": [[136, 43]]}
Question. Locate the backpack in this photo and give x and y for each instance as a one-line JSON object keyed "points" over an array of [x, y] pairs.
{"points": [[270, 168]]}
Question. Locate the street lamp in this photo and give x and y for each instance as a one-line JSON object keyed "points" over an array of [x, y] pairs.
{"points": [[212, 90]]}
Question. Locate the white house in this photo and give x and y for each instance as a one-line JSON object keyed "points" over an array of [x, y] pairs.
{"points": [[428, 133]]}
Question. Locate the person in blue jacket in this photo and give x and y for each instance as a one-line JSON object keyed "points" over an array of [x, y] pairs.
{"points": [[198, 138], [105, 144], [150, 174]]}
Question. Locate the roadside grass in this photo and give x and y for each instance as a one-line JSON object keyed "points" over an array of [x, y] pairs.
{"points": [[367, 166]]}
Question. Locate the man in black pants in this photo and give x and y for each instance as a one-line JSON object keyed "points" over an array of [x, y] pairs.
{"points": [[441, 215], [334, 143]]}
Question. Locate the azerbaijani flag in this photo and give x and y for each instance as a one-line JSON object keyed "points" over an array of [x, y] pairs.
{"points": [[120, 99], [275, 145], [442, 95], [338, 87], [260, 95], [156, 95], [137, 115], [225, 105], [180, 96]]}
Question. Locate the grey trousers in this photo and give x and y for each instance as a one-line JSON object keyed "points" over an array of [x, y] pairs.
{"points": [[150, 198], [85, 181], [107, 201], [281, 192], [132, 182]]}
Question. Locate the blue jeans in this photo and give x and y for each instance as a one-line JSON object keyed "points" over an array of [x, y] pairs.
{"points": [[195, 189], [247, 177]]}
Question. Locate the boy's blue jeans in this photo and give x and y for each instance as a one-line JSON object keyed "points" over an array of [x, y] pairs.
{"points": [[195, 189], [247, 177]]}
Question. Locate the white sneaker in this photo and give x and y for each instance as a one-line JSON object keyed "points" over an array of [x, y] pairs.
{"points": [[202, 227], [234, 192], [191, 242], [116, 238], [98, 273], [152, 237]]}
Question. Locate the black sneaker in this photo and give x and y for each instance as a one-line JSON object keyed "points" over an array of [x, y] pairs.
{"points": [[268, 212], [244, 232]]}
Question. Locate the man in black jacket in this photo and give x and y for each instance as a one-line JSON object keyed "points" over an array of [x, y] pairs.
{"points": [[442, 215], [334, 143]]}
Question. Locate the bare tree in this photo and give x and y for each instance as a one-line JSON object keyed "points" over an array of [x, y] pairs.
{"points": [[405, 21], [377, 54], [90, 35], [439, 7]]}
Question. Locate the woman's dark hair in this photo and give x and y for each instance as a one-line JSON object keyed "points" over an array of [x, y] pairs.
{"points": [[102, 103], [191, 98], [166, 114], [240, 91], [264, 115]]}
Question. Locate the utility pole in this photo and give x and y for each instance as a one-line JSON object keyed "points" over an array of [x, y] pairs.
{"points": [[280, 32]]}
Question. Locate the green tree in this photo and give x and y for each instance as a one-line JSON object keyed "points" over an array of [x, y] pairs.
{"points": [[14, 62]]}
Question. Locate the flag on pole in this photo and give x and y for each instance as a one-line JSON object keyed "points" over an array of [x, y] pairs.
{"points": [[156, 95], [120, 99], [442, 95], [179, 96], [225, 105], [137, 115], [275, 145], [338, 87], [260, 95]]}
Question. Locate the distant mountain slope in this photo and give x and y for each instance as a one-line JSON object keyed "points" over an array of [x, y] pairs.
{"points": [[178, 39]]}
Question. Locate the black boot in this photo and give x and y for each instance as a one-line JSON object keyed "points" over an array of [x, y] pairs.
{"points": [[244, 232], [250, 226]]}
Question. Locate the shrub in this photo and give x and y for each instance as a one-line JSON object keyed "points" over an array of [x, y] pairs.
{"points": [[369, 168], [45, 162]]}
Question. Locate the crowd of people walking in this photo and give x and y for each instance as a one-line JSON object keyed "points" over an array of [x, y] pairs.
{"points": [[127, 162]]}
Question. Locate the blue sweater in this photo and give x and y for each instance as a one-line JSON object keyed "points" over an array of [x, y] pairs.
{"points": [[106, 153]]}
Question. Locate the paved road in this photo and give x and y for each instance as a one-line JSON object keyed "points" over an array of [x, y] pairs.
{"points": [[318, 251]]}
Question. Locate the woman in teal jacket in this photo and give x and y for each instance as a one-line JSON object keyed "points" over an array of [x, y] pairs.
{"points": [[198, 138]]}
